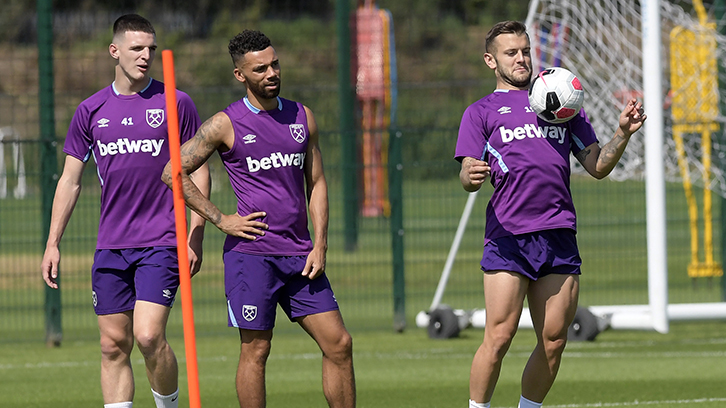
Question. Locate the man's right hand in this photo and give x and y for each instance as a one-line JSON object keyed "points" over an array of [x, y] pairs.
{"points": [[473, 173], [245, 227], [49, 266]]}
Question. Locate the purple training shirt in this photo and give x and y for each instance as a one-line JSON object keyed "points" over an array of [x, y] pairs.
{"points": [[127, 136], [530, 161], [266, 170]]}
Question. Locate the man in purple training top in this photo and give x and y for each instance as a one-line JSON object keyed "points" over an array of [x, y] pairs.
{"points": [[269, 146], [530, 248], [135, 272]]}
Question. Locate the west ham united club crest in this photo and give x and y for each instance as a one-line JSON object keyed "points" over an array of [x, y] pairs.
{"points": [[249, 312], [298, 132], [155, 117]]}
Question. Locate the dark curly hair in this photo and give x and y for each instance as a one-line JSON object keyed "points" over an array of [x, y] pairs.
{"points": [[247, 41], [132, 22]]}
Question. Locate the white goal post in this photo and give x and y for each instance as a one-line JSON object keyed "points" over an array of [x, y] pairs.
{"points": [[609, 45]]}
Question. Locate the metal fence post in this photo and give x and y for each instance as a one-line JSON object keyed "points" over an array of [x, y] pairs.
{"points": [[395, 191], [49, 160], [347, 127]]}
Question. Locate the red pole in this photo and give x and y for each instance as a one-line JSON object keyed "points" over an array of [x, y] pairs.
{"points": [[185, 279]]}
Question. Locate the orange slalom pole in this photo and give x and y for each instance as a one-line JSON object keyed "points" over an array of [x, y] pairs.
{"points": [[185, 278]]}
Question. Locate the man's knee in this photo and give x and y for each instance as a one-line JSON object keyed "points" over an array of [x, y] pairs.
{"points": [[340, 349], [150, 342], [499, 336], [113, 348], [554, 347], [255, 352], [344, 345]]}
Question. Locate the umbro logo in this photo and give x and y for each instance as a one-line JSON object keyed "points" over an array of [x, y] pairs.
{"points": [[249, 138], [504, 110], [103, 122]]}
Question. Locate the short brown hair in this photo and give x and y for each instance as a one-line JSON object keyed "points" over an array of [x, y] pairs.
{"points": [[132, 22], [504, 27]]}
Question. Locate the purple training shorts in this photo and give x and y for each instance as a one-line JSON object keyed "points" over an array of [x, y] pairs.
{"points": [[256, 284], [120, 277], [534, 255]]}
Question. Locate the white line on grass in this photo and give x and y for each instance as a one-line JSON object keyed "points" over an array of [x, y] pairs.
{"points": [[687, 402], [422, 355], [63, 364], [665, 354], [647, 343]]}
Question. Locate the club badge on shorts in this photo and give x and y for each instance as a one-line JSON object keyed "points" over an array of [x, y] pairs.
{"points": [[298, 132], [155, 117], [249, 312]]}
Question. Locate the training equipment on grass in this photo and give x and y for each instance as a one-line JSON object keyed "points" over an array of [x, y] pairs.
{"points": [[609, 45], [694, 108], [585, 326], [185, 278], [556, 95], [443, 323]]}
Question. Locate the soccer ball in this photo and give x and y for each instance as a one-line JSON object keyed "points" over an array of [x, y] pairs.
{"points": [[556, 95]]}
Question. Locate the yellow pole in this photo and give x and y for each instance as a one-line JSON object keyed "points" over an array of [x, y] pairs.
{"points": [[707, 204], [690, 199]]}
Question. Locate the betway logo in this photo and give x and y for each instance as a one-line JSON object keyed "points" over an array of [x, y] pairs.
{"points": [[276, 160], [531, 131], [126, 146]]}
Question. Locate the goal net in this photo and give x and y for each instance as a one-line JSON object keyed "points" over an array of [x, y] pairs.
{"points": [[601, 42]]}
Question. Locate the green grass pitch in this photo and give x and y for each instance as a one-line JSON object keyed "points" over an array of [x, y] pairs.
{"points": [[681, 369]]}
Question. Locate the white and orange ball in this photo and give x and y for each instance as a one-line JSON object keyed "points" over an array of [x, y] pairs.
{"points": [[556, 95]]}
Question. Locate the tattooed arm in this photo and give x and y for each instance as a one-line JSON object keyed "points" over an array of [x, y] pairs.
{"points": [[599, 162], [215, 133], [195, 238]]}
